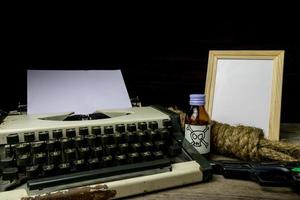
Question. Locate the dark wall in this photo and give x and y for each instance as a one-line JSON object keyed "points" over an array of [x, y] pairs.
{"points": [[161, 65]]}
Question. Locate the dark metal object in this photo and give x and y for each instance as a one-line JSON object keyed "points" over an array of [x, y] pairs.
{"points": [[284, 174]]}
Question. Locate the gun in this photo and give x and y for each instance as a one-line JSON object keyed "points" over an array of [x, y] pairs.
{"points": [[282, 174]]}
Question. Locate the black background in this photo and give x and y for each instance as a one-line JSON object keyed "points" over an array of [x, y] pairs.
{"points": [[162, 61]]}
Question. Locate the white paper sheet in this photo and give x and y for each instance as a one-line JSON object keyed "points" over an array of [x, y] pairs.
{"points": [[82, 92]]}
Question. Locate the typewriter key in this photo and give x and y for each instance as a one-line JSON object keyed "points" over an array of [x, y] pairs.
{"points": [[142, 126], [83, 152], [130, 137], [111, 149], [40, 158], [96, 130], [108, 130], [43, 136], [121, 159], [152, 135], [123, 148], [79, 164], [71, 132], [120, 128], [97, 151], [29, 137], [79, 141], [91, 140], [94, 163], [10, 174], [83, 131], [160, 145], [49, 170], [64, 168], [148, 146], [23, 160], [141, 136], [136, 147], [164, 134], [66, 143], [118, 137], [167, 123], [12, 139], [38, 147], [52, 145], [55, 157], [146, 156], [107, 161], [70, 155], [158, 155], [57, 134], [32, 171], [133, 157], [7, 162], [22, 148], [131, 127], [153, 125]]}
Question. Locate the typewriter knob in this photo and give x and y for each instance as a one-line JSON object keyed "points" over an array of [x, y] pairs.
{"points": [[12, 138], [43, 136], [10, 174], [131, 127], [153, 125], [57, 134], [29, 137], [120, 128], [142, 126]]}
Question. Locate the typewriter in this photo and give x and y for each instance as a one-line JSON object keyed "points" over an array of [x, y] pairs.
{"points": [[131, 151]]}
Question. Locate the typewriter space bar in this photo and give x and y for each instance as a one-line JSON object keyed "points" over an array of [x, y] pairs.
{"points": [[97, 173]]}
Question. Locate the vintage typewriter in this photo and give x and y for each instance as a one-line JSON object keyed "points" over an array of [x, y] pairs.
{"points": [[132, 151]]}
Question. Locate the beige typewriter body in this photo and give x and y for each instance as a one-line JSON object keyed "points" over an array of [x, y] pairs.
{"points": [[21, 124], [179, 174]]}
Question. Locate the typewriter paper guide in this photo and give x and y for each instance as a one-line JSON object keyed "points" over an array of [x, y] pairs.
{"points": [[82, 92]]}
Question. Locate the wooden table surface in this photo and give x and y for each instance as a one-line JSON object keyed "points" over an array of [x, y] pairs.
{"points": [[220, 188]]}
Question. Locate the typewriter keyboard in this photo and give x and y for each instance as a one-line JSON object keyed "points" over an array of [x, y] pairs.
{"points": [[42, 161]]}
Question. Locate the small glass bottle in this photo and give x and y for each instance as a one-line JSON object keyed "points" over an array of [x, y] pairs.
{"points": [[197, 125]]}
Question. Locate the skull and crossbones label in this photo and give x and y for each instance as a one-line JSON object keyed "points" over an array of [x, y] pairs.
{"points": [[199, 137]]}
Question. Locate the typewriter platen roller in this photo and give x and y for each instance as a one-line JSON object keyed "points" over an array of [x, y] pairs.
{"points": [[131, 151]]}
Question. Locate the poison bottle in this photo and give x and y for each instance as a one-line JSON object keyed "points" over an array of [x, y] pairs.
{"points": [[197, 125]]}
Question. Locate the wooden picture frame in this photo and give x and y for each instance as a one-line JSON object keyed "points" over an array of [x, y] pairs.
{"points": [[244, 87]]}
